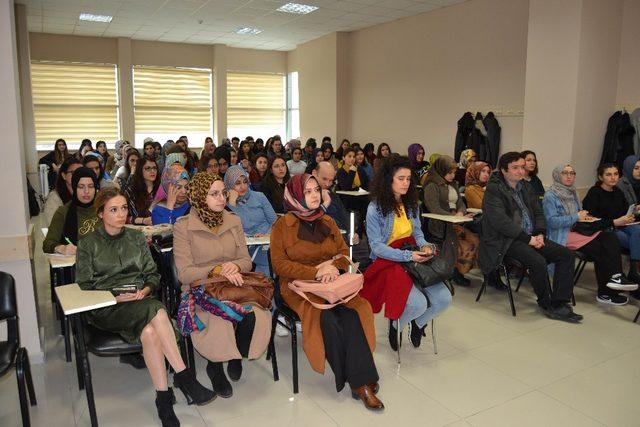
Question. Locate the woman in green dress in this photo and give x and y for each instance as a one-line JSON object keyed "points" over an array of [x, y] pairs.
{"points": [[114, 256]]}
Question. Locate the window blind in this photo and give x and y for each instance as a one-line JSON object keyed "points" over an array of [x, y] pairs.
{"points": [[255, 100], [172, 100], [73, 102]]}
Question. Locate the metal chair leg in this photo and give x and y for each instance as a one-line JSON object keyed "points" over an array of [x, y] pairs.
{"points": [[67, 337], [29, 379], [22, 389], [294, 355], [483, 287], [272, 347], [398, 337], [637, 316], [433, 336], [509, 291], [86, 370], [520, 281]]}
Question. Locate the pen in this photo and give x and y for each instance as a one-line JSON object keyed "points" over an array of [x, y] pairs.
{"points": [[68, 241]]}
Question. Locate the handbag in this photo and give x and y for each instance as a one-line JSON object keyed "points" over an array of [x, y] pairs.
{"points": [[340, 291], [437, 269], [257, 288], [588, 228]]}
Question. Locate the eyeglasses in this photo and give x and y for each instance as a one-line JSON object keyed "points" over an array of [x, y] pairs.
{"points": [[151, 168], [216, 194], [568, 173]]}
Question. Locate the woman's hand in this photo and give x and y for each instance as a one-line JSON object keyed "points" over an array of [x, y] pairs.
{"points": [[327, 273], [69, 249], [235, 278], [146, 221], [134, 296], [420, 256], [232, 197], [582, 215], [229, 268], [55, 167], [172, 196], [353, 168], [459, 213], [326, 198], [427, 249], [623, 220]]}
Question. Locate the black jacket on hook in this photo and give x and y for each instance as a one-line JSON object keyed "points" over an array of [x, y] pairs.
{"points": [[493, 137], [466, 125], [618, 140]]}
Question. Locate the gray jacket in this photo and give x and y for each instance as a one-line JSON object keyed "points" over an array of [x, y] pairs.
{"points": [[634, 118], [627, 189], [436, 200]]}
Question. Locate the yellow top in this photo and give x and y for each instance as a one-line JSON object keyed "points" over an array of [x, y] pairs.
{"points": [[356, 179], [402, 226]]}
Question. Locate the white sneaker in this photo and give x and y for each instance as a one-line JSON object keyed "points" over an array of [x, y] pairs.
{"points": [[281, 331], [621, 283], [299, 326]]}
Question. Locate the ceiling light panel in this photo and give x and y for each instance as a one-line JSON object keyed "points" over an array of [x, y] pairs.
{"points": [[95, 18], [248, 31], [300, 9]]}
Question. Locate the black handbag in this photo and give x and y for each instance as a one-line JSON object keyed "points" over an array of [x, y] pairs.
{"points": [[588, 228], [437, 269]]}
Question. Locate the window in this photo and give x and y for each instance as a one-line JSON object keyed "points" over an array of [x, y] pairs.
{"points": [[73, 102], [293, 106], [170, 102], [255, 105]]}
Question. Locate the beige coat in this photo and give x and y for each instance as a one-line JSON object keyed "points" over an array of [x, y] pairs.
{"points": [[197, 250]]}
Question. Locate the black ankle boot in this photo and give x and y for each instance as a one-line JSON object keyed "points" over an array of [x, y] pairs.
{"points": [[417, 333], [234, 369], [193, 391], [633, 275], [393, 336], [164, 404], [459, 279], [219, 381]]}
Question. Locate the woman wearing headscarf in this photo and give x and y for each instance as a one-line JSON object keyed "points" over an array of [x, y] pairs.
{"points": [[175, 203], [419, 166], [207, 242], [562, 209], [630, 181], [254, 210], [304, 245], [75, 219], [441, 196], [119, 157], [476, 181], [467, 157]]}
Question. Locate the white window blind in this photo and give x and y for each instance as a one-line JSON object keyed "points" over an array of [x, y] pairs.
{"points": [[172, 102], [73, 102], [255, 105]]}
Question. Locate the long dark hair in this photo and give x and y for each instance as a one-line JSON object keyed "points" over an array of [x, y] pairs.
{"points": [[61, 184], [369, 152], [269, 181], [138, 188], [524, 154], [241, 155], [382, 193], [60, 156], [131, 152], [105, 156], [379, 153]]}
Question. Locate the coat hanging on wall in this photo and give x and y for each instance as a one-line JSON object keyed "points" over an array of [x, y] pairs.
{"points": [[481, 134], [618, 140]]}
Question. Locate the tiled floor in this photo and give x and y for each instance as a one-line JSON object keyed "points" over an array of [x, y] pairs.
{"points": [[491, 370]]}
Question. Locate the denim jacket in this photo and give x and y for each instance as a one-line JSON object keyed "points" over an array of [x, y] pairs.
{"points": [[379, 230], [559, 223], [255, 212]]}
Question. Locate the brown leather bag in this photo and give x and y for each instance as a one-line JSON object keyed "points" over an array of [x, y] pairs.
{"points": [[257, 288]]}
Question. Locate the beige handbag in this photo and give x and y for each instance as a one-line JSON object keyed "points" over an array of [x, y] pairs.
{"points": [[340, 291]]}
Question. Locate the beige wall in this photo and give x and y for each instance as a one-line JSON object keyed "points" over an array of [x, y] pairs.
{"points": [[628, 93]]}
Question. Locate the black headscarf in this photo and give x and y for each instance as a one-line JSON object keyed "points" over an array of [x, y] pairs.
{"points": [[70, 229]]}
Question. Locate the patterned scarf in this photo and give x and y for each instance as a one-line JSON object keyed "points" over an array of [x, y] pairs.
{"points": [[567, 195], [527, 224], [294, 199], [465, 157], [473, 174], [173, 174], [198, 189]]}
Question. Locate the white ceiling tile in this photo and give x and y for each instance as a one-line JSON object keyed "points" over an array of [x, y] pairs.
{"points": [[396, 4], [172, 39], [59, 20], [119, 33], [367, 2], [347, 6]]}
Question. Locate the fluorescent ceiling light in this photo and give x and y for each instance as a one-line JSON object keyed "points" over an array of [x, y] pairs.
{"points": [[95, 18], [248, 30], [301, 9]]}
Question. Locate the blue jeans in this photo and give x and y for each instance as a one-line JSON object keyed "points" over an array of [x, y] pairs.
{"points": [[417, 307], [629, 238], [261, 259]]}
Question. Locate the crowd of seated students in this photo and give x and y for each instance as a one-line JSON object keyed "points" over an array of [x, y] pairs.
{"points": [[239, 188]]}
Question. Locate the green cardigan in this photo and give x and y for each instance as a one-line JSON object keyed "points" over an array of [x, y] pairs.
{"points": [[105, 261], [87, 222]]}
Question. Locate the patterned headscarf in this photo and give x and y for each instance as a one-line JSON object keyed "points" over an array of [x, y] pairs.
{"points": [[232, 176], [175, 158], [198, 189], [473, 174], [465, 157], [567, 195], [294, 198], [171, 175]]}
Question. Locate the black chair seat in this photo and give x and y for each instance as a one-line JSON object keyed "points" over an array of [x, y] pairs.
{"points": [[8, 352], [103, 343], [283, 308], [582, 256], [512, 262]]}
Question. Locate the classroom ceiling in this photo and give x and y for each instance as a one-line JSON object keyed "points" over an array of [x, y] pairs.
{"points": [[216, 21]]}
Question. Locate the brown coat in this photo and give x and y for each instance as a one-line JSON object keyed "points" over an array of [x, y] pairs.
{"points": [[474, 194], [197, 250], [292, 259]]}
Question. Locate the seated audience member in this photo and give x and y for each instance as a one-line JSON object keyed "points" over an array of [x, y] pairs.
{"points": [[607, 202], [353, 178], [223, 155], [244, 156], [370, 152], [476, 182], [141, 192], [63, 190], [342, 148], [175, 203], [296, 165], [254, 210], [85, 147], [192, 157], [304, 244], [54, 160], [318, 157], [178, 153], [176, 157], [234, 156], [531, 173], [393, 219], [442, 196], [75, 219], [258, 146], [209, 147], [563, 210], [149, 149], [119, 158], [419, 166], [125, 172], [258, 172], [114, 256], [92, 161], [629, 182], [361, 162], [513, 224], [328, 155], [384, 151], [208, 163], [207, 242], [234, 142], [467, 158], [309, 150], [274, 182], [277, 149], [107, 159]]}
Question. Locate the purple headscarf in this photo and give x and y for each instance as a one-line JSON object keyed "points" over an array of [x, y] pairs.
{"points": [[413, 154]]}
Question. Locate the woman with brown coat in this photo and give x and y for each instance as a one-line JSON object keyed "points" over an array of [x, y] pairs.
{"points": [[441, 196], [303, 245], [208, 241]]}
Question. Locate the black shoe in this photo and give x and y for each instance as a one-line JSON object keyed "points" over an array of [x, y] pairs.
{"points": [[460, 280], [234, 369], [134, 359], [575, 315], [612, 299], [618, 282], [417, 333], [219, 381], [393, 336], [493, 280], [635, 294], [562, 313], [164, 403], [193, 391]]}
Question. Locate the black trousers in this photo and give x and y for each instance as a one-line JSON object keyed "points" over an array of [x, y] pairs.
{"points": [[604, 250], [346, 348], [536, 260], [244, 333]]}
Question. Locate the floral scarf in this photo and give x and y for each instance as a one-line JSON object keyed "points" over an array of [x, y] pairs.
{"points": [[198, 189]]}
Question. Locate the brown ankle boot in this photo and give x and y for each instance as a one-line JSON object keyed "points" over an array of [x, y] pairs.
{"points": [[366, 394]]}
